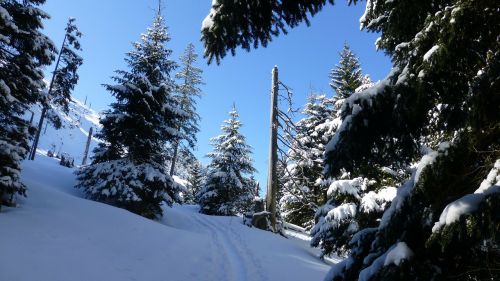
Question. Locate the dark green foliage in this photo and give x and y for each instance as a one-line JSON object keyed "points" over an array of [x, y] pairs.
{"points": [[248, 23], [128, 169], [195, 180], [66, 76], [227, 190], [302, 178], [346, 77], [190, 80], [444, 91], [24, 50]]}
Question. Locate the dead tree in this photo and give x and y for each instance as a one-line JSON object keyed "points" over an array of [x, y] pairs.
{"points": [[87, 145]]}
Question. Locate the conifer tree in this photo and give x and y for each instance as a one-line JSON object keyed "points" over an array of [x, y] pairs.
{"points": [[195, 179], [24, 50], [254, 185], [128, 167], [302, 190], [346, 77], [189, 90], [248, 23], [226, 190], [64, 80], [437, 109]]}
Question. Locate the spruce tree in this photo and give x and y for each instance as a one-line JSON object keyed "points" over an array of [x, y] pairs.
{"points": [[254, 185], [302, 190], [437, 109], [195, 179], [346, 77], [188, 90], [64, 80], [246, 23], [128, 167], [24, 51], [226, 190]]}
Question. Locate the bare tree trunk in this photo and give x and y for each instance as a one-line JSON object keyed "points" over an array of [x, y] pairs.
{"points": [[86, 153], [272, 181], [174, 159], [32, 116], [44, 110]]}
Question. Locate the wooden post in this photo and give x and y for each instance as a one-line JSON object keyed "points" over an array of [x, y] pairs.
{"points": [[272, 179], [86, 153]]}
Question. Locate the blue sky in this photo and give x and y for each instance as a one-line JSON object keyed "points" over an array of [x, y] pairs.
{"points": [[305, 57]]}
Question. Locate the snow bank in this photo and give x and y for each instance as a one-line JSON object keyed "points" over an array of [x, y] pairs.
{"points": [[56, 235]]}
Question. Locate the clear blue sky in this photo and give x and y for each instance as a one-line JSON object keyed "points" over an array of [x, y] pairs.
{"points": [[304, 57]]}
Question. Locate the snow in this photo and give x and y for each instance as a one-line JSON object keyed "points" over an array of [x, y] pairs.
{"points": [[351, 187], [363, 98], [56, 235], [369, 7], [405, 190], [470, 202], [72, 138], [374, 267], [341, 213], [376, 201], [208, 20], [398, 253], [429, 53]]}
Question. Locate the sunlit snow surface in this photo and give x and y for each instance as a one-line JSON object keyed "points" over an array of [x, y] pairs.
{"points": [[55, 235]]}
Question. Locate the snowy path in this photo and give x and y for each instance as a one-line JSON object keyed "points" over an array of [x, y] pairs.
{"points": [[229, 249], [58, 236]]}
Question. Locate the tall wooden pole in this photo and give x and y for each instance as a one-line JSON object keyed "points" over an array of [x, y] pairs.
{"points": [[86, 153], [44, 110], [272, 180]]}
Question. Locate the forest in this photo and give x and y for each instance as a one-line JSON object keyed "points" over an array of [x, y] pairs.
{"points": [[390, 179]]}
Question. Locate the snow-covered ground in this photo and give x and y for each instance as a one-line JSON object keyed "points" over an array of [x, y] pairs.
{"points": [[73, 136], [56, 235]]}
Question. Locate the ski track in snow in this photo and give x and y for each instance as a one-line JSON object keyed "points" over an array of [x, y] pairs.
{"points": [[230, 249]]}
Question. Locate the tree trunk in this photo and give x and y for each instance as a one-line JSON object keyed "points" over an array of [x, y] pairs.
{"points": [[86, 153], [174, 159], [44, 110], [273, 151]]}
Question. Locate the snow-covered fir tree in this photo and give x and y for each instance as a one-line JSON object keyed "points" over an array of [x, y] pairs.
{"points": [[226, 190], [195, 179], [254, 185], [66, 76], [63, 81], [24, 51], [444, 85], [189, 91], [302, 190], [346, 77], [353, 203], [128, 168], [438, 111]]}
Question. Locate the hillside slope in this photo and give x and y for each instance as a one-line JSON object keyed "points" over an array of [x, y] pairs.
{"points": [[56, 235], [73, 136]]}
